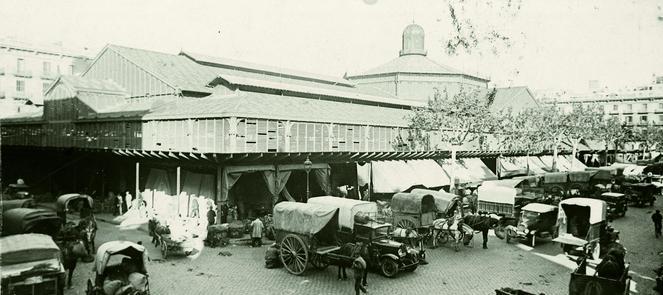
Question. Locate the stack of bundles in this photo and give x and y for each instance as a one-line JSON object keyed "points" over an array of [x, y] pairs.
{"points": [[217, 235], [236, 229], [363, 218], [272, 259], [135, 282]]}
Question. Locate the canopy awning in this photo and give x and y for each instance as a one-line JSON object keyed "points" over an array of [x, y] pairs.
{"points": [[467, 170], [398, 176], [108, 249]]}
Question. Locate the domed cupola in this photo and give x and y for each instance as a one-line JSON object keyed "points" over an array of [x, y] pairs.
{"points": [[413, 40]]}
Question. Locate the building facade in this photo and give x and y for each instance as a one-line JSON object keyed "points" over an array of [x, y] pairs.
{"points": [[27, 70], [639, 106]]}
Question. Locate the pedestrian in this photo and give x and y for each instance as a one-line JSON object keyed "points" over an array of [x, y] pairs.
{"points": [[127, 200], [224, 213], [359, 270], [118, 204], [657, 218], [256, 232], [211, 216], [194, 207]]}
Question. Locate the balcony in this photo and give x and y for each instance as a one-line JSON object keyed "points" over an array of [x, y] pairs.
{"points": [[2, 94], [23, 74], [49, 76]]}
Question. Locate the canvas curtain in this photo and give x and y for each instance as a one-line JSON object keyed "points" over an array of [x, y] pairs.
{"points": [[320, 171], [157, 180], [231, 174], [276, 184]]}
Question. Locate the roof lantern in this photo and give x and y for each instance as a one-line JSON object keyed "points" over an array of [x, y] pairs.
{"points": [[413, 40]]}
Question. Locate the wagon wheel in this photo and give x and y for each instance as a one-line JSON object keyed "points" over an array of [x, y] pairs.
{"points": [[442, 237], [294, 254], [319, 262], [406, 224]]}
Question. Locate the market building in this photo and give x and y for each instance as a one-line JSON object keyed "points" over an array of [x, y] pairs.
{"points": [[182, 127]]}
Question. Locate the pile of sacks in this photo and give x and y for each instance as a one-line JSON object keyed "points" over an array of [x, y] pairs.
{"points": [[217, 235], [272, 259], [118, 282]]}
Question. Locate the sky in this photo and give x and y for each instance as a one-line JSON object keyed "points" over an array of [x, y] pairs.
{"points": [[555, 45]]}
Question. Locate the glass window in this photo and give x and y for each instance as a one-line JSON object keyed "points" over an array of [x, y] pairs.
{"points": [[660, 118], [644, 106], [629, 107], [20, 65], [47, 67], [643, 119], [660, 106], [615, 107], [20, 86], [71, 69], [629, 119], [45, 86]]}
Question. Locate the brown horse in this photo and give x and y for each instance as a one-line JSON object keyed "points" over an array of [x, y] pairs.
{"points": [[71, 251], [88, 232]]}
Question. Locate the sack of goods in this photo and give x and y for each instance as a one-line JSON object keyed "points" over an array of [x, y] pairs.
{"points": [[272, 259], [362, 218], [217, 235], [236, 229]]}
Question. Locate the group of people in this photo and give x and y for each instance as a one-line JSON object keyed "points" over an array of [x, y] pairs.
{"points": [[124, 203]]}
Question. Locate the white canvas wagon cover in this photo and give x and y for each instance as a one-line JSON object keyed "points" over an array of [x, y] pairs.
{"points": [[497, 194], [108, 249], [442, 198], [597, 208], [348, 208], [27, 247], [302, 218]]}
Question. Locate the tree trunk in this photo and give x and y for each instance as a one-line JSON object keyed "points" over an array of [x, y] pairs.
{"points": [[574, 152], [554, 160], [605, 163], [452, 177], [527, 162]]}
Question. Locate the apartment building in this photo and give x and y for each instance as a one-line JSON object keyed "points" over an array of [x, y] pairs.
{"points": [[27, 70]]}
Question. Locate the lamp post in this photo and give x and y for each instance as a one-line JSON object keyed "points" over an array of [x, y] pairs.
{"points": [[307, 167]]}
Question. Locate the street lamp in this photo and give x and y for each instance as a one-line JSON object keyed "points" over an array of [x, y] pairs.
{"points": [[307, 167]]}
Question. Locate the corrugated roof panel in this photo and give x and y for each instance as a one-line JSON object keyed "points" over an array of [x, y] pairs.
{"points": [[343, 93], [266, 106]]}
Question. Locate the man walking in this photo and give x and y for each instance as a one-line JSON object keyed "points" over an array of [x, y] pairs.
{"points": [[256, 232], [359, 270], [657, 218]]}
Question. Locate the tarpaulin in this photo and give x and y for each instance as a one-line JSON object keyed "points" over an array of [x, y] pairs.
{"points": [[304, 218], [348, 208], [429, 173], [157, 179], [393, 176], [232, 173]]}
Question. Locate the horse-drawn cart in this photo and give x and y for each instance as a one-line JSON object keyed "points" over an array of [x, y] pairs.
{"points": [[128, 277], [413, 210], [306, 234], [30, 220]]}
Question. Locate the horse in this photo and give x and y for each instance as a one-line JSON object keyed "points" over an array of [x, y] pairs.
{"points": [[88, 232], [482, 223], [442, 230], [612, 265], [71, 251]]}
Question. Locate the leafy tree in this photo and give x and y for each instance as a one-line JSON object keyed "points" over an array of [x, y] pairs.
{"points": [[611, 131], [456, 120], [582, 123], [519, 131], [550, 121], [650, 136]]}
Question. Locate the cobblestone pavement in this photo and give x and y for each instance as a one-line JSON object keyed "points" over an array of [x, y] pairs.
{"points": [[470, 271]]}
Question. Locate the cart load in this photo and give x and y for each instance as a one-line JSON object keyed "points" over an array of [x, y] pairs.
{"points": [[20, 256], [413, 210], [129, 274], [30, 220]]}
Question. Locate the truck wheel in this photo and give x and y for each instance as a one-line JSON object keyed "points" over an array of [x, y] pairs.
{"points": [[388, 267], [500, 232]]}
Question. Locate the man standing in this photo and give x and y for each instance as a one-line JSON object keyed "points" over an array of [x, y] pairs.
{"points": [[256, 232], [359, 270], [194, 207], [211, 216], [657, 218]]}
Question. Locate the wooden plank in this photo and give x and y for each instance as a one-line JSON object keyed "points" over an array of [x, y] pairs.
{"points": [[326, 249]]}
